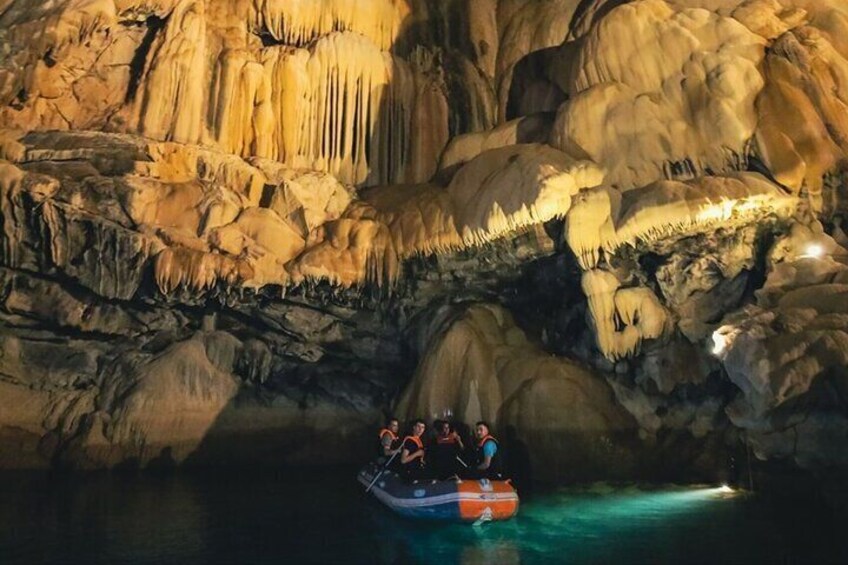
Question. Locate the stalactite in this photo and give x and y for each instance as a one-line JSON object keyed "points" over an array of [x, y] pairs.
{"points": [[299, 22], [623, 317], [339, 106], [604, 219], [511, 188], [195, 271], [667, 207], [242, 115], [325, 103], [640, 308], [174, 94], [589, 226], [600, 287], [12, 215]]}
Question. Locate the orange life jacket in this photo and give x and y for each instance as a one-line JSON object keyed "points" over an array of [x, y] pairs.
{"points": [[495, 465], [385, 431], [417, 441], [486, 438], [445, 440]]}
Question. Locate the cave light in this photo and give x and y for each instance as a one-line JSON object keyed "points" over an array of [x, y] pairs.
{"points": [[719, 343], [814, 251], [716, 212], [722, 339]]}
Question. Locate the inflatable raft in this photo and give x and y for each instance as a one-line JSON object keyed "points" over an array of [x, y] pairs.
{"points": [[467, 500]]}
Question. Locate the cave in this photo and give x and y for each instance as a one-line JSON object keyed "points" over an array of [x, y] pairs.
{"points": [[238, 236]]}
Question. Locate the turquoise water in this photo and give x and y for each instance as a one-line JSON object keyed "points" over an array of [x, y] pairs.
{"points": [[271, 518]]}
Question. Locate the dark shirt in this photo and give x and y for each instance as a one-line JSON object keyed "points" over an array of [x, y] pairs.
{"points": [[412, 447]]}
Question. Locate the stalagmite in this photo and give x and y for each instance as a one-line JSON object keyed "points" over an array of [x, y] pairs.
{"points": [[482, 365]]}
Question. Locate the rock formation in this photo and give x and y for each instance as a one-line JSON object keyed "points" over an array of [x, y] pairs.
{"points": [[240, 230]]}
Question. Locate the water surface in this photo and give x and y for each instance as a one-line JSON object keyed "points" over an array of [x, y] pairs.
{"points": [[325, 518]]}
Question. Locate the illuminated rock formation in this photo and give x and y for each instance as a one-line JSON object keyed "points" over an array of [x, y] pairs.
{"points": [[501, 192], [790, 346], [223, 218], [709, 91], [696, 95], [604, 221], [310, 84], [481, 366]]}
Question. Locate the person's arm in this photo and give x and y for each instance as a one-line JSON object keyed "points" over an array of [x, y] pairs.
{"points": [[459, 441], [406, 456], [386, 442], [489, 451]]}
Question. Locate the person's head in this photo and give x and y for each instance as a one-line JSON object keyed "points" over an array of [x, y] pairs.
{"points": [[443, 428], [481, 429], [418, 427], [392, 424]]}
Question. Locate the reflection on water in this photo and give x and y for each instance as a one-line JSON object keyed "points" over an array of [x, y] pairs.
{"points": [[267, 518]]}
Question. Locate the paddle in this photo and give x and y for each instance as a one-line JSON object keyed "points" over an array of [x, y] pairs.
{"points": [[383, 470], [464, 464]]}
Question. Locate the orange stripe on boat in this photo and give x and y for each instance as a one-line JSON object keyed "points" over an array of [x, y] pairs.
{"points": [[472, 509]]}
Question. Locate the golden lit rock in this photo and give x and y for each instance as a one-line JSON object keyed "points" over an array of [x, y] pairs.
{"points": [[236, 217]]}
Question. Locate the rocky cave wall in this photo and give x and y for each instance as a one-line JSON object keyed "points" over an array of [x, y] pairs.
{"points": [[246, 230]]}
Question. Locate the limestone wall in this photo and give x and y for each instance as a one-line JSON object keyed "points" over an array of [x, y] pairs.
{"points": [[233, 217]]}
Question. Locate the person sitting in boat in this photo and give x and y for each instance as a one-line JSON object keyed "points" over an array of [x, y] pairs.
{"points": [[445, 450], [412, 453], [389, 440], [487, 462]]}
